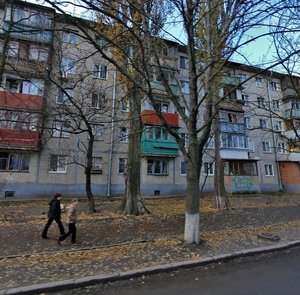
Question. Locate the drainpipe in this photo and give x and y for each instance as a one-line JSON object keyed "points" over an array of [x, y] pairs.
{"points": [[273, 137], [111, 137]]}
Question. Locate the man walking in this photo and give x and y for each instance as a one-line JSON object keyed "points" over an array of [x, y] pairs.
{"points": [[54, 213]]}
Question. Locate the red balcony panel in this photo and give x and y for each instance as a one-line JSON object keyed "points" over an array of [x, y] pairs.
{"points": [[150, 117], [19, 138], [21, 100]]}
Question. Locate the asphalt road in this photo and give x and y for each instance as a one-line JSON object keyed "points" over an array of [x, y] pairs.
{"points": [[276, 273]]}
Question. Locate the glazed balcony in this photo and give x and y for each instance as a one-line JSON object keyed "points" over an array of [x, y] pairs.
{"points": [[155, 140], [230, 80], [227, 127], [19, 139], [25, 32], [160, 88], [21, 101]]}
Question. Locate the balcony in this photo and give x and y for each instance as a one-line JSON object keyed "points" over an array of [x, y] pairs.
{"points": [[26, 66], [160, 88], [291, 114], [19, 139], [24, 32], [21, 101], [230, 80], [232, 127], [155, 140], [150, 117]]}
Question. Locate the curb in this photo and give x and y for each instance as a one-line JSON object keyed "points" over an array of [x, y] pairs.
{"points": [[117, 276]]}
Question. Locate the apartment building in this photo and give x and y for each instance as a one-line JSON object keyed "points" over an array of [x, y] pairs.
{"points": [[51, 94]]}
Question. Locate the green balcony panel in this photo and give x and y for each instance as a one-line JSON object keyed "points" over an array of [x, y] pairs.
{"points": [[229, 80]]}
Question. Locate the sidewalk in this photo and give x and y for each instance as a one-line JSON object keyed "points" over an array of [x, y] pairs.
{"points": [[111, 246]]}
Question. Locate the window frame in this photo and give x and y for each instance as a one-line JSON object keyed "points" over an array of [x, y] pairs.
{"points": [[59, 160], [154, 164]]}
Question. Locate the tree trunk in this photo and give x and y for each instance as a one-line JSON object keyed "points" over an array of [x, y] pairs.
{"points": [[192, 216], [221, 200], [132, 203], [88, 169]]}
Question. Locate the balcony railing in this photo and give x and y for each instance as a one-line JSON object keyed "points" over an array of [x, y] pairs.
{"points": [[26, 66], [23, 139], [21, 101]]}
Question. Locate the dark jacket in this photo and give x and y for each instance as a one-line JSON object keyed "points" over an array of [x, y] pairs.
{"points": [[54, 209]]}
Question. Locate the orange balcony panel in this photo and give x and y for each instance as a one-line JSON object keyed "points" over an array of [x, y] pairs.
{"points": [[19, 138], [150, 117], [21, 100]]}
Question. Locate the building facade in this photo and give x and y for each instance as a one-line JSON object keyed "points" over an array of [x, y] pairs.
{"points": [[52, 96]]}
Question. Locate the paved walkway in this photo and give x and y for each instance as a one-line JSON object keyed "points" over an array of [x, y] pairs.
{"points": [[114, 248]]}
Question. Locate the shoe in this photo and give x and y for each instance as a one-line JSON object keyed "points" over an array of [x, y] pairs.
{"points": [[73, 242], [58, 242], [45, 238]]}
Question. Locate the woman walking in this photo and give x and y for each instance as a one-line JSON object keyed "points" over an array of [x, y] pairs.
{"points": [[71, 220]]}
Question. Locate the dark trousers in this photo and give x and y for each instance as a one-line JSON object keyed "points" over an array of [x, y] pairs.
{"points": [[72, 230], [59, 223]]}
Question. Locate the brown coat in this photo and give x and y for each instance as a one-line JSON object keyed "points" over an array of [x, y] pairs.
{"points": [[72, 213]]}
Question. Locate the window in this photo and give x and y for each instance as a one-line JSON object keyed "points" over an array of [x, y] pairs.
{"points": [[278, 126], [182, 168], [157, 167], [251, 145], [185, 87], [98, 100], [64, 96], [269, 170], [169, 51], [263, 123], [34, 87], [241, 168], [258, 81], [168, 76], [13, 48], [100, 71], [245, 99], [184, 62], [184, 139], [295, 105], [98, 131], [273, 85], [122, 165], [208, 168], [97, 165], [124, 105], [275, 104], [261, 102], [60, 129], [38, 53], [210, 144], [69, 37], [243, 77], [281, 148], [265, 146], [14, 162], [234, 141], [58, 164], [101, 42], [68, 66], [247, 122], [13, 85], [123, 134]]}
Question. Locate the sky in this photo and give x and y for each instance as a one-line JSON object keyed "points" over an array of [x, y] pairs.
{"points": [[259, 53]]}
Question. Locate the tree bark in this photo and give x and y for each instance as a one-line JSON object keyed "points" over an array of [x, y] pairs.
{"points": [[88, 169], [132, 203]]}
